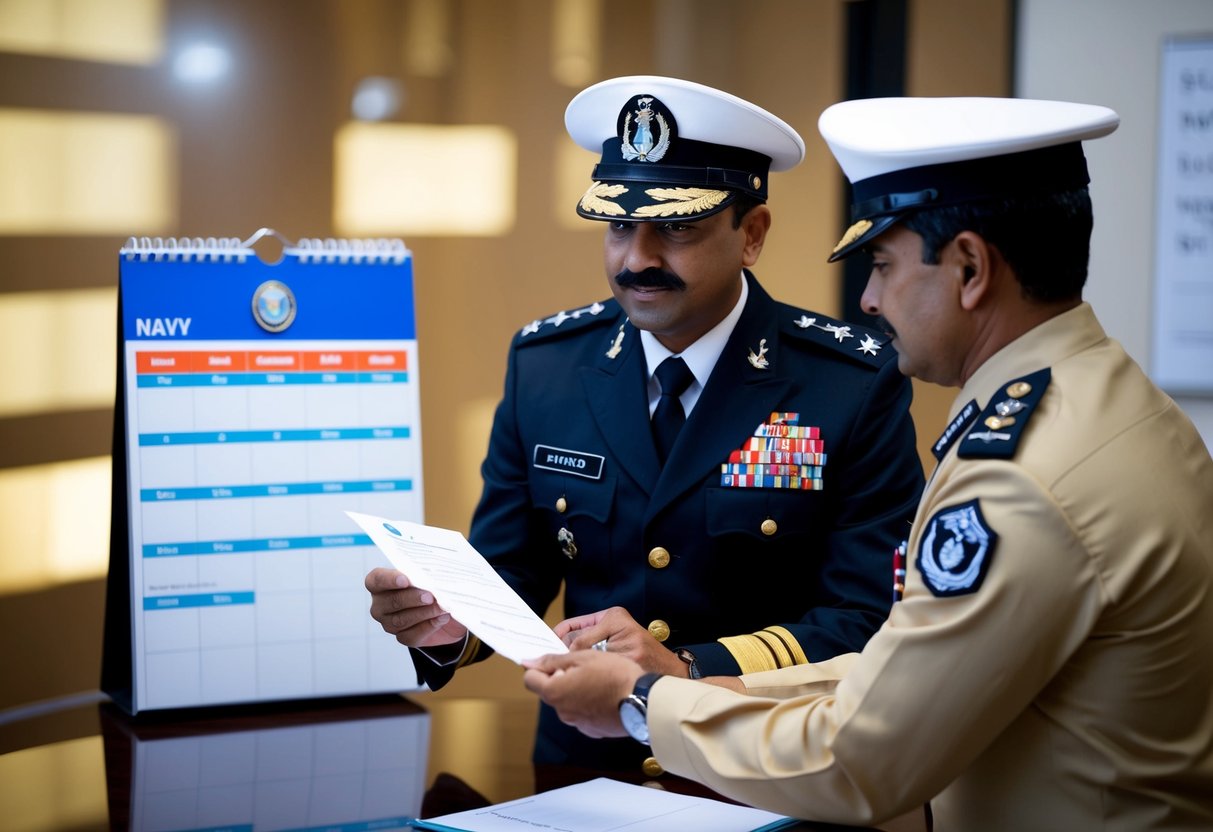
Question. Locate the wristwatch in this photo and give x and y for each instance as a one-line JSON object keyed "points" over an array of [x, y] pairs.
{"points": [[687, 656], [634, 708]]}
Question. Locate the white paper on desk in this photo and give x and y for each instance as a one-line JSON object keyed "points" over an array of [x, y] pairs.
{"points": [[463, 583], [601, 805]]}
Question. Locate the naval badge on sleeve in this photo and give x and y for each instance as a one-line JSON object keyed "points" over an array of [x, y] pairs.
{"points": [[955, 551]]}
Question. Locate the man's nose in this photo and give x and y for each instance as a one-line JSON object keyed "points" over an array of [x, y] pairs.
{"points": [[644, 249], [867, 301]]}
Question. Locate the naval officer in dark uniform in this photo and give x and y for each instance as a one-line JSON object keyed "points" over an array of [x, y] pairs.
{"points": [[719, 480]]}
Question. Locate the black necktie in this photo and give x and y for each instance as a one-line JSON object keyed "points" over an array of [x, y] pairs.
{"points": [[674, 377]]}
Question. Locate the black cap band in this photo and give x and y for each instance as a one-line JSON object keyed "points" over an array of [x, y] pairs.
{"points": [[1044, 170], [880, 201]]}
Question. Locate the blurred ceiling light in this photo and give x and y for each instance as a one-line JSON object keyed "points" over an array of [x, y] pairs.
{"points": [[114, 31], [576, 32], [57, 516], [201, 63], [427, 179], [572, 167], [86, 173], [427, 38], [57, 350], [377, 98]]}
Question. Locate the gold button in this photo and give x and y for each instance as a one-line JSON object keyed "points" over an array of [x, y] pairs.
{"points": [[651, 767], [562, 505], [1019, 389], [659, 630], [755, 182], [769, 527], [999, 422], [659, 557]]}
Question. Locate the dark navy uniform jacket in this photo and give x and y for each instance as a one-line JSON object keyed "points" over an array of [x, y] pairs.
{"points": [[571, 449]]}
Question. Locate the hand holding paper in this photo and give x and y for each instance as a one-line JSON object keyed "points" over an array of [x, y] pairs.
{"points": [[464, 584]]}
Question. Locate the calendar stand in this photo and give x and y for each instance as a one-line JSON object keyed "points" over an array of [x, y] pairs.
{"points": [[256, 404]]}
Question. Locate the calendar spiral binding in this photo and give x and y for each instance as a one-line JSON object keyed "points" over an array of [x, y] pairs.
{"points": [[235, 250]]}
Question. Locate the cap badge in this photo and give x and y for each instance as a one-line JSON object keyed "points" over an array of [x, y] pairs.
{"points": [[638, 142], [760, 360], [853, 233]]}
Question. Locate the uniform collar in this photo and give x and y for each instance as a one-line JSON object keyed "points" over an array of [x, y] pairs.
{"points": [[700, 357]]}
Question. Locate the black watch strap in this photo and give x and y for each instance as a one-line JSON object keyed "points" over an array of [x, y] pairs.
{"points": [[687, 656], [642, 686]]}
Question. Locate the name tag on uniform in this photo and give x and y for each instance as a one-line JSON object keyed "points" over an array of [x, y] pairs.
{"points": [[577, 463]]}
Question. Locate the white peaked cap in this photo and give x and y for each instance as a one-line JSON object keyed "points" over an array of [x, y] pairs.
{"points": [[902, 154], [873, 136], [704, 114], [674, 149]]}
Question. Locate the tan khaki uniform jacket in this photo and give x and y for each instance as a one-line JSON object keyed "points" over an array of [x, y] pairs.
{"points": [[1068, 685]]}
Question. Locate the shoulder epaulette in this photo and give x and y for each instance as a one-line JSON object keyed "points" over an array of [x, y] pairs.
{"points": [[998, 428], [568, 320], [864, 345]]}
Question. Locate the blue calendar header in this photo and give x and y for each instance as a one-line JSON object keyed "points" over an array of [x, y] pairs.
{"points": [[180, 300]]}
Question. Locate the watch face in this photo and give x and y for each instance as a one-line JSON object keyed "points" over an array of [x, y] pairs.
{"points": [[632, 715]]}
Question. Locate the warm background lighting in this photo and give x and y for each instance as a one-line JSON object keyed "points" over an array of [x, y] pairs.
{"points": [[408, 179], [119, 31], [86, 173], [57, 351]]}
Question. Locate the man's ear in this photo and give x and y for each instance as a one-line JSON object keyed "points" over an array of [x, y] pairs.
{"points": [[974, 258], [755, 224]]}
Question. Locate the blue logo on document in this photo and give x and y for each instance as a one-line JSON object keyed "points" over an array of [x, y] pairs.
{"points": [[391, 529], [274, 306]]}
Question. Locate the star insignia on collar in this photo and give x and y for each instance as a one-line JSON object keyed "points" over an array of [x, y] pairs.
{"points": [[841, 333], [868, 345]]}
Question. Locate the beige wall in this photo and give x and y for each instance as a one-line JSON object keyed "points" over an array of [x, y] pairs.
{"points": [[1080, 51], [260, 154]]}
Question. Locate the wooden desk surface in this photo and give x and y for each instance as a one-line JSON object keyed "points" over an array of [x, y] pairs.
{"points": [[370, 762]]}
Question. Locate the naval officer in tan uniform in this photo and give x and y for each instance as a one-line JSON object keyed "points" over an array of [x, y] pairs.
{"points": [[1050, 665]]}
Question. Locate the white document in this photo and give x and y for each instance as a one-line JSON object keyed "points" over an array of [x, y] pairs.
{"points": [[602, 805], [463, 583]]}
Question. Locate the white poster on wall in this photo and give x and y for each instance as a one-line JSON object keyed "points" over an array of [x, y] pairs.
{"points": [[1183, 261]]}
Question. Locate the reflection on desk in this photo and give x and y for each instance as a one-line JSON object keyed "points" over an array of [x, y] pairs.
{"points": [[348, 765], [298, 770]]}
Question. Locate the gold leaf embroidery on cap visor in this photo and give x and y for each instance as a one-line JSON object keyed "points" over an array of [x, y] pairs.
{"points": [[685, 201], [853, 233], [597, 199]]}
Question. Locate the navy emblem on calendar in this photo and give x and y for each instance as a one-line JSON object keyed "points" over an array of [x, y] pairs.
{"points": [[274, 306]]}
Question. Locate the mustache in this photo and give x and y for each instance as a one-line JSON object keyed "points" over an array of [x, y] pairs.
{"points": [[882, 323], [651, 278]]}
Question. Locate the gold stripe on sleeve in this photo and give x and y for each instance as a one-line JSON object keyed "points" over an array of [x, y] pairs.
{"points": [[469, 651], [751, 653], [790, 643], [783, 658]]}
